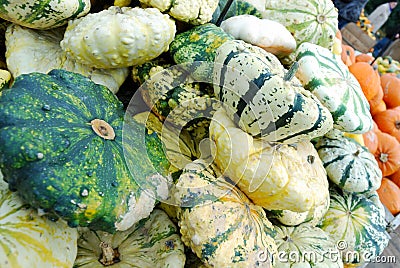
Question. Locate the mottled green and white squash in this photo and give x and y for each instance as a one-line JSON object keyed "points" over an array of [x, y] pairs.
{"points": [[328, 78], [173, 95], [349, 165], [238, 7], [357, 225], [219, 223], [152, 242], [198, 45], [119, 37], [306, 246], [29, 240], [308, 20], [274, 176], [5, 78], [31, 51], [43, 14], [263, 98], [192, 11], [63, 151]]}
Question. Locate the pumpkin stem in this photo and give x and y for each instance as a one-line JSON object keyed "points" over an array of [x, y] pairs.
{"points": [[109, 256], [383, 157], [291, 72], [357, 153], [321, 18], [103, 129]]}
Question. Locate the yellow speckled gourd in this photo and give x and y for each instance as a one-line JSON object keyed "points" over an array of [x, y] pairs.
{"points": [[119, 37]]}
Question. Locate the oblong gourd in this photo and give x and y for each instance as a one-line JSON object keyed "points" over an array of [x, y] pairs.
{"points": [[31, 51], [152, 242], [29, 240], [219, 223], [63, 150], [118, 37], [326, 76], [263, 98], [43, 14]]}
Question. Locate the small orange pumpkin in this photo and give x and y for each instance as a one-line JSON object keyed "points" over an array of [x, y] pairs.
{"points": [[389, 194], [338, 35], [389, 121], [348, 55], [387, 154], [364, 58], [371, 141], [380, 107], [375, 101], [395, 177], [391, 90], [368, 77]]}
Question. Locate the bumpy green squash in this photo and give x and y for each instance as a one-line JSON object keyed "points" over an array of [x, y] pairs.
{"points": [[308, 20], [29, 240], [348, 164], [43, 14], [306, 246], [152, 242], [62, 149], [219, 223], [30, 50], [263, 98], [198, 45], [328, 78], [357, 225]]}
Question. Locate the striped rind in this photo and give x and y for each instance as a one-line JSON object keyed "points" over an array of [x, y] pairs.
{"points": [[328, 78], [349, 165], [43, 14], [29, 240], [249, 81], [355, 219]]}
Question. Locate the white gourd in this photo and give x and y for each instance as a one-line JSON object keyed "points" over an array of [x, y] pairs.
{"points": [[119, 37]]}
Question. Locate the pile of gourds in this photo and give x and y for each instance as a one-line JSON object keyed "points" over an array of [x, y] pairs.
{"points": [[237, 157]]}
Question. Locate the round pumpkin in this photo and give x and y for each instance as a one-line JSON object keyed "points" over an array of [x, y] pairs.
{"points": [[63, 150], [391, 90], [395, 177], [152, 242], [348, 55], [305, 246], [371, 141], [357, 225], [219, 223], [368, 78], [30, 240], [363, 57], [375, 101], [348, 164], [387, 154], [389, 194], [389, 121], [378, 108]]}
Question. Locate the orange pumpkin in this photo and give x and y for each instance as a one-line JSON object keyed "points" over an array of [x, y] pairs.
{"points": [[389, 194], [389, 121], [368, 77], [371, 141], [375, 101], [339, 35], [391, 90], [387, 154], [364, 58], [377, 108], [395, 177], [348, 55]]}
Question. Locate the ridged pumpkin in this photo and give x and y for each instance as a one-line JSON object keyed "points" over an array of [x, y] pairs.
{"points": [[371, 141], [389, 194], [359, 222], [348, 55], [30, 240], [368, 77], [219, 223], [389, 121], [391, 90], [378, 108], [364, 58], [387, 154], [395, 177], [152, 242], [62, 149]]}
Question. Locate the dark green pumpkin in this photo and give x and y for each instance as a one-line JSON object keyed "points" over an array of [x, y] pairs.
{"points": [[63, 161]]}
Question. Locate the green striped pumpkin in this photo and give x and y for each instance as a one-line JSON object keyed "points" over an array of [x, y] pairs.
{"points": [[348, 164], [29, 240], [219, 223], [63, 150], [152, 242], [328, 78], [357, 225], [43, 14], [305, 246], [266, 100], [313, 21]]}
